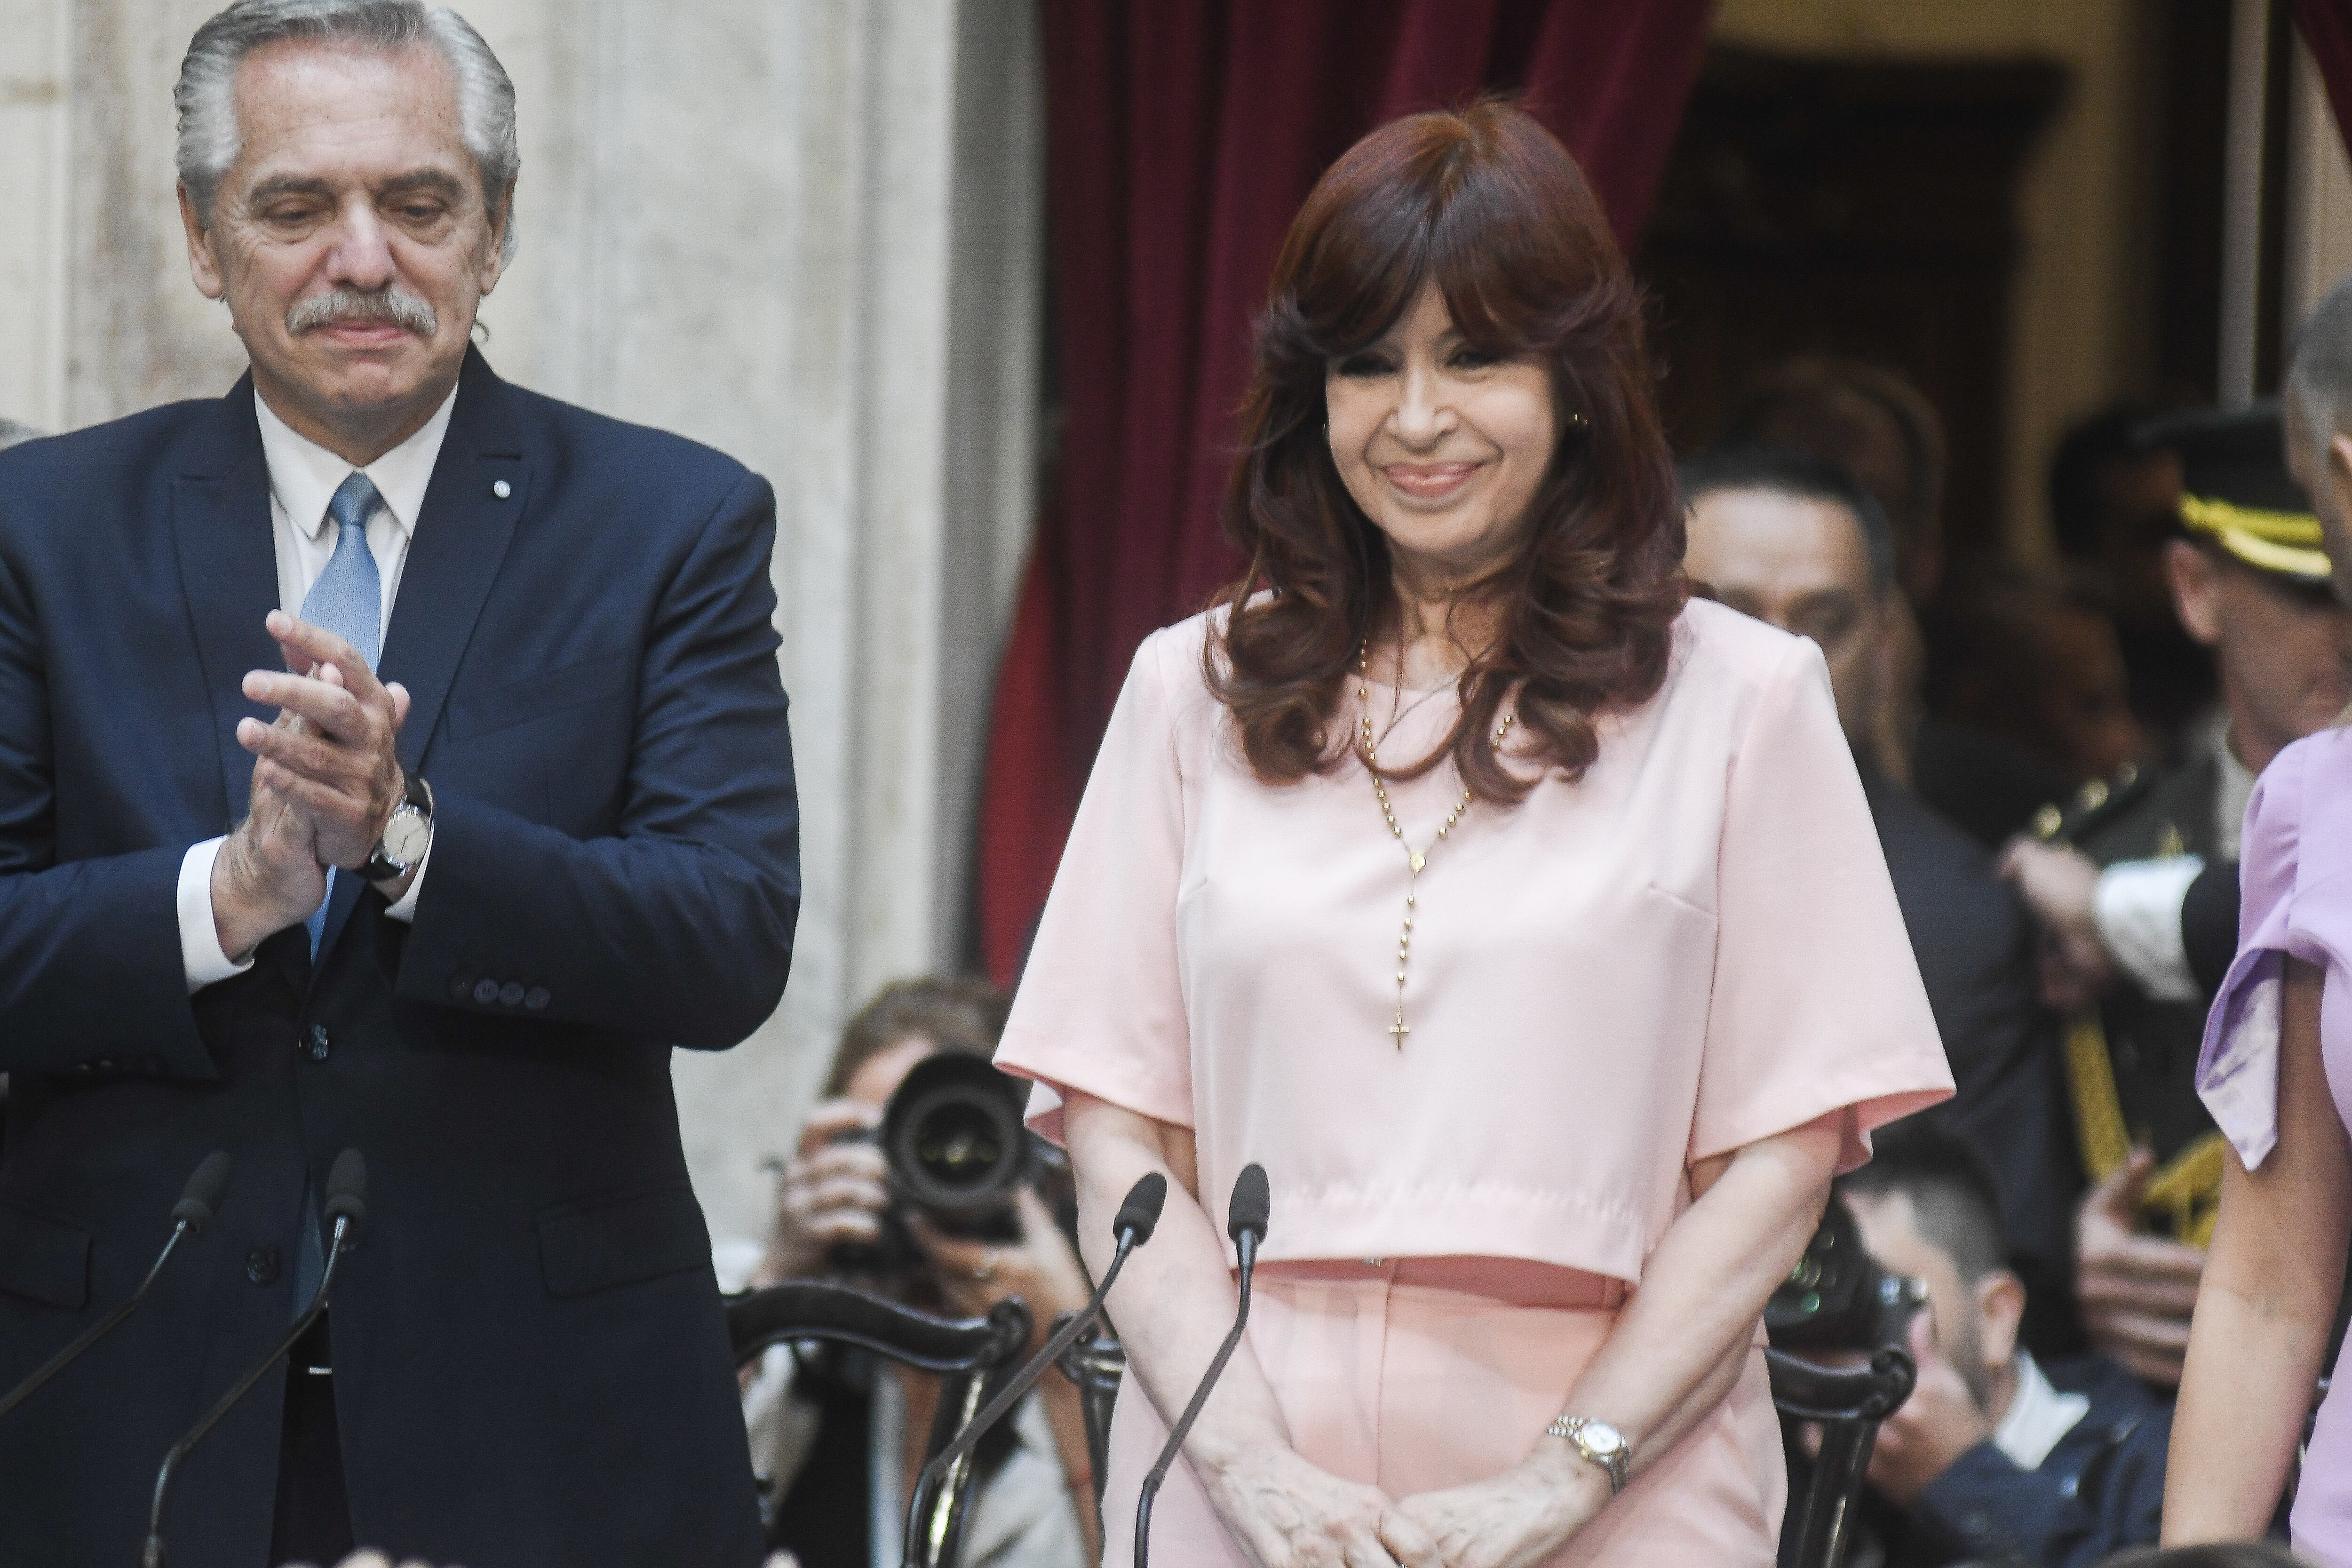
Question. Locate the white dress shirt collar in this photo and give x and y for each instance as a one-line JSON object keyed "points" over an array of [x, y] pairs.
{"points": [[304, 476], [2237, 788], [2038, 1416]]}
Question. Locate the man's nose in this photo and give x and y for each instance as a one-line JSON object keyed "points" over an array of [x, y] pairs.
{"points": [[360, 257]]}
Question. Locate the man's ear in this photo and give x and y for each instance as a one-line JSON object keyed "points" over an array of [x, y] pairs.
{"points": [[202, 263], [494, 257], [2001, 1313], [2194, 578], [2337, 475]]}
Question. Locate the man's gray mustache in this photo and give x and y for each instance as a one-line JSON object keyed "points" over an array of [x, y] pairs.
{"points": [[348, 307]]}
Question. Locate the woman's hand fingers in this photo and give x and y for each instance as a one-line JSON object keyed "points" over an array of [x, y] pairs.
{"points": [[844, 1224], [1408, 1540], [831, 1118], [2150, 1348], [839, 1189], [1055, 1280], [973, 1273], [1291, 1513]]}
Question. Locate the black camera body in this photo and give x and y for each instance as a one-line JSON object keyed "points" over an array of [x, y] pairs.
{"points": [[1838, 1298], [954, 1138]]}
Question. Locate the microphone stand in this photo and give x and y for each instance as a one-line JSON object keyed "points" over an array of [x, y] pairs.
{"points": [[189, 1218], [1246, 1224], [346, 1184], [926, 1485], [1133, 1225]]}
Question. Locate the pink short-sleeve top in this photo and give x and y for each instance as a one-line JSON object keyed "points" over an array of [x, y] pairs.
{"points": [[1692, 947]]}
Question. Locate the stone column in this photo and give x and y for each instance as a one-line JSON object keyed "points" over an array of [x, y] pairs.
{"points": [[807, 233]]}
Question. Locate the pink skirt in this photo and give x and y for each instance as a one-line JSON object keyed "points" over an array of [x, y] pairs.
{"points": [[1417, 1375]]}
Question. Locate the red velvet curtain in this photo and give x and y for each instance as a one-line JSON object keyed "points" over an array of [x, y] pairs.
{"points": [[2327, 28], [1181, 137]]}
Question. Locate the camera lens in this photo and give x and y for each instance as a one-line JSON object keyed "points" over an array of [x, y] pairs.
{"points": [[958, 1145], [953, 1136]]}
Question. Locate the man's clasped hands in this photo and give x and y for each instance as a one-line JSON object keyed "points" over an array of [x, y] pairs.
{"points": [[325, 781]]}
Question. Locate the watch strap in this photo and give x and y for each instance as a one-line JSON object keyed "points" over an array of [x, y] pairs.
{"points": [[1616, 1461], [415, 795]]}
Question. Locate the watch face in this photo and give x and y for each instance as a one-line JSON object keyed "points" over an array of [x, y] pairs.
{"points": [[405, 835], [1602, 1439]]}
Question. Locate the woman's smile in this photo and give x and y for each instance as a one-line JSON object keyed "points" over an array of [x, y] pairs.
{"points": [[1429, 481]]}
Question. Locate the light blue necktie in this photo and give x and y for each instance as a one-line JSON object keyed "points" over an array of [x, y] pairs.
{"points": [[347, 600]]}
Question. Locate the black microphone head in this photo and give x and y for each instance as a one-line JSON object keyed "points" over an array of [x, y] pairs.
{"points": [[1251, 1200], [203, 1193], [347, 1189], [1140, 1212]]}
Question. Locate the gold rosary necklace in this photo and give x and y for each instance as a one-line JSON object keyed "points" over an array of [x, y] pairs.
{"points": [[1415, 859]]}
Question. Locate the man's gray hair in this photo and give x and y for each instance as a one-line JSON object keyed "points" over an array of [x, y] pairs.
{"points": [[2319, 377], [206, 94]]}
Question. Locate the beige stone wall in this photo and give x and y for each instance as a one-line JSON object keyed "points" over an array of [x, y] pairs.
{"points": [[807, 233]]}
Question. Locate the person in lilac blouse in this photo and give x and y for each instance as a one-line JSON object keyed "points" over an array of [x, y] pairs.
{"points": [[2275, 1071]]}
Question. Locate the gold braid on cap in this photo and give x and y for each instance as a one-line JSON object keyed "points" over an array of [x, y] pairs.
{"points": [[2286, 541]]}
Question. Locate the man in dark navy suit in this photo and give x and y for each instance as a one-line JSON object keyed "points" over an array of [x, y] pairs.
{"points": [[1791, 540], [394, 760]]}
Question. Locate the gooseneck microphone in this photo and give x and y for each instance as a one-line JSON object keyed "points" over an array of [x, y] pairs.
{"points": [[1245, 1224], [346, 1207], [1133, 1226], [194, 1210]]}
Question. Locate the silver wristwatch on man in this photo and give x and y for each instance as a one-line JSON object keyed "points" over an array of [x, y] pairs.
{"points": [[1601, 1442], [407, 836]]}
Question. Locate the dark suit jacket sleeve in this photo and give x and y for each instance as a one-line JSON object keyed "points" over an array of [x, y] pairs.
{"points": [[678, 927], [2073, 1512], [2011, 1104], [90, 951], [2209, 924]]}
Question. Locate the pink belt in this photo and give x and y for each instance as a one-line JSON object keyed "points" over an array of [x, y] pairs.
{"points": [[1515, 1281]]}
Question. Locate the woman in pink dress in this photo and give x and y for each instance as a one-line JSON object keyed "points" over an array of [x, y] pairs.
{"points": [[1525, 923]]}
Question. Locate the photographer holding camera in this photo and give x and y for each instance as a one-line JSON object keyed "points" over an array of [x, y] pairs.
{"points": [[1994, 1458], [837, 1438]]}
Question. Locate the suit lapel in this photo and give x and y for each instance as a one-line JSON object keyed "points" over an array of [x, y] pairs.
{"points": [[461, 537], [462, 533], [228, 571]]}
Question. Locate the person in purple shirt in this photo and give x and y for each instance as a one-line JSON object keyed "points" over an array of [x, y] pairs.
{"points": [[2274, 1069]]}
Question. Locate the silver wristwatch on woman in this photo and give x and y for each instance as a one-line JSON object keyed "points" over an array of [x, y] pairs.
{"points": [[1598, 1442]]}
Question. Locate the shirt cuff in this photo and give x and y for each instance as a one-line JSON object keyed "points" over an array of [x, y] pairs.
{"points": [[404, 910], [200, 958], [2138, 910]]}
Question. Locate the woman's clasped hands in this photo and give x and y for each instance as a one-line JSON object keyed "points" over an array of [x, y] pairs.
{"points": [[1288, 1513]]}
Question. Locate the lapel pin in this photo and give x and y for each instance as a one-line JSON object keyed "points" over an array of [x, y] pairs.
{"points": [[502, 490]]}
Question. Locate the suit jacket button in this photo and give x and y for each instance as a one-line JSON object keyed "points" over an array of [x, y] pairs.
{"points": [[320, 1045], [510, 994], [536, 998], [261, 1264], [485, 992], [461, 987]]}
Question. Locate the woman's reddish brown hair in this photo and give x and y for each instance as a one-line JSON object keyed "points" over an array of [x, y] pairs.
{"points": [[1487, 208]]}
